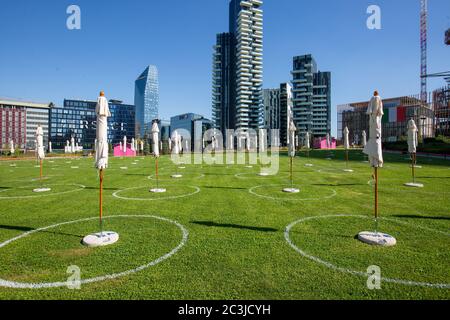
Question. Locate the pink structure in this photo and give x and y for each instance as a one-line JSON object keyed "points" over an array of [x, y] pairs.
{"points": [[321, 143], [118, 152]]}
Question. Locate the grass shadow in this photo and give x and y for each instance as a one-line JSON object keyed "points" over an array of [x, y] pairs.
{"points": [[414, 216], [233, 226], [28, 229]]}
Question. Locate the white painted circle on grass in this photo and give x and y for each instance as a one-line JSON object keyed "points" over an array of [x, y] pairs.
{"points": [[42, 285], [252, 191], [152, 177], [350, 271], [80, 187], [116, 194]]}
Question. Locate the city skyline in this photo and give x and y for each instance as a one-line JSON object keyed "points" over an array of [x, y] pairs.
{"points": [[57, 66]]}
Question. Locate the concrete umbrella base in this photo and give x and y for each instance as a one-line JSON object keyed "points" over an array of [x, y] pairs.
{"points": [[40, 190], [263, 174], [309, 165], [176, 176], [377, 239], [100, 239], [158, 190], [413, 185], [348, 170], [291, 190]]}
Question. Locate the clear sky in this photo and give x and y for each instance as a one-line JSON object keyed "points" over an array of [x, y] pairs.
{"points": [[41, 60]]}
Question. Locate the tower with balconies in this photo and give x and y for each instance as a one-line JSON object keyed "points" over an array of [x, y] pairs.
{"points": [[238, 69], [311, 96]]}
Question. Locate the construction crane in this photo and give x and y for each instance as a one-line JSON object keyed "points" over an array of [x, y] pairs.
{"points": [[423, 49]]}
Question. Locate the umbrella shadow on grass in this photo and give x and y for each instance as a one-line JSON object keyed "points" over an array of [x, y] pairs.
{"points": [[28, 229], [97, 188], [414, 216], [217, 187], [233, 226]]}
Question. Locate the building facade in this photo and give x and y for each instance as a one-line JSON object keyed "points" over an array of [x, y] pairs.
{"points": [[19, 121], [311, 97], [441, 107], [272, 116], [238, 69], [191, 127], [397, 112], [77, 119], [146, 99]]}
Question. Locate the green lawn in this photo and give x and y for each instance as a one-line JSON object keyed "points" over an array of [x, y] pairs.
{"points": [[236, 247]]}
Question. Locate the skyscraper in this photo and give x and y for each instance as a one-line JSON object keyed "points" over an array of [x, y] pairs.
{"points": [[271, 98], [237, 69], [146, 99], [311, 97], [285, 110]]}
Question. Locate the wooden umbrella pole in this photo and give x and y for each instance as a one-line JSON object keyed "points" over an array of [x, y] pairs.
{"points": [[101, 200], [157, 182], [40, 171], [346, 158], [376, 199], [413, 165], [292, 180]]}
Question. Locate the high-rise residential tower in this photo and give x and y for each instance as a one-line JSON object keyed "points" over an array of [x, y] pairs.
{"points": [[146, 99], [285, 110], [311, 97], [238, 69], [271, 98]]}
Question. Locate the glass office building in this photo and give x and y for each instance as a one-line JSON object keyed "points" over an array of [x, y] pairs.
{"points": [[311, 97], [193, 123], [146, 99], [77, 119]]}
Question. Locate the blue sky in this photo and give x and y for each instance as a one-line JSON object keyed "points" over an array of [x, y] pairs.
{"points": [[41, 60]]}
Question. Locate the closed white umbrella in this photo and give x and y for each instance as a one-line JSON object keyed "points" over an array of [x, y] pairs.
{"points": [[307, 143], [40, 152], [262, 140], [203, 143], [412, 136], [374, 150], [72, 145], [11, 146], [176, 150], [133, 148], [364, 138], [170, 144], [156, 145], [412, 149], [121, 147], [101, 163], [346, 147], [125, 144], [373, 147], [292, 129], [50, 149], [328, 141], [346, 139], [142, 145]]}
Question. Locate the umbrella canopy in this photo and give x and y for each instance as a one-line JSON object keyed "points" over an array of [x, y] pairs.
{"points": [[40, 143], [142, 145], [364, 138], [50, 149], [328, 141], [374, 147], [155, 139], [11, 146], [346, 140], [121, 147], [101, 148], [124, 144], [292, 130], [412, 136], [307, 143], [133, 148]]}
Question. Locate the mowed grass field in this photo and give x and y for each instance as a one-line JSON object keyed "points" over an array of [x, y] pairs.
{"points": [[236, 247]]}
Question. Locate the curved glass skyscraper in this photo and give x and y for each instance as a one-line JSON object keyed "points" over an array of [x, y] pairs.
{"points": [[146, 99]]}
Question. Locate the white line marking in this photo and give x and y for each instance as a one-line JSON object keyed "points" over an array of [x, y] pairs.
{"points": [[24, 285], [345, 270], [116, 194], [81, 187], [252, 191]]}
